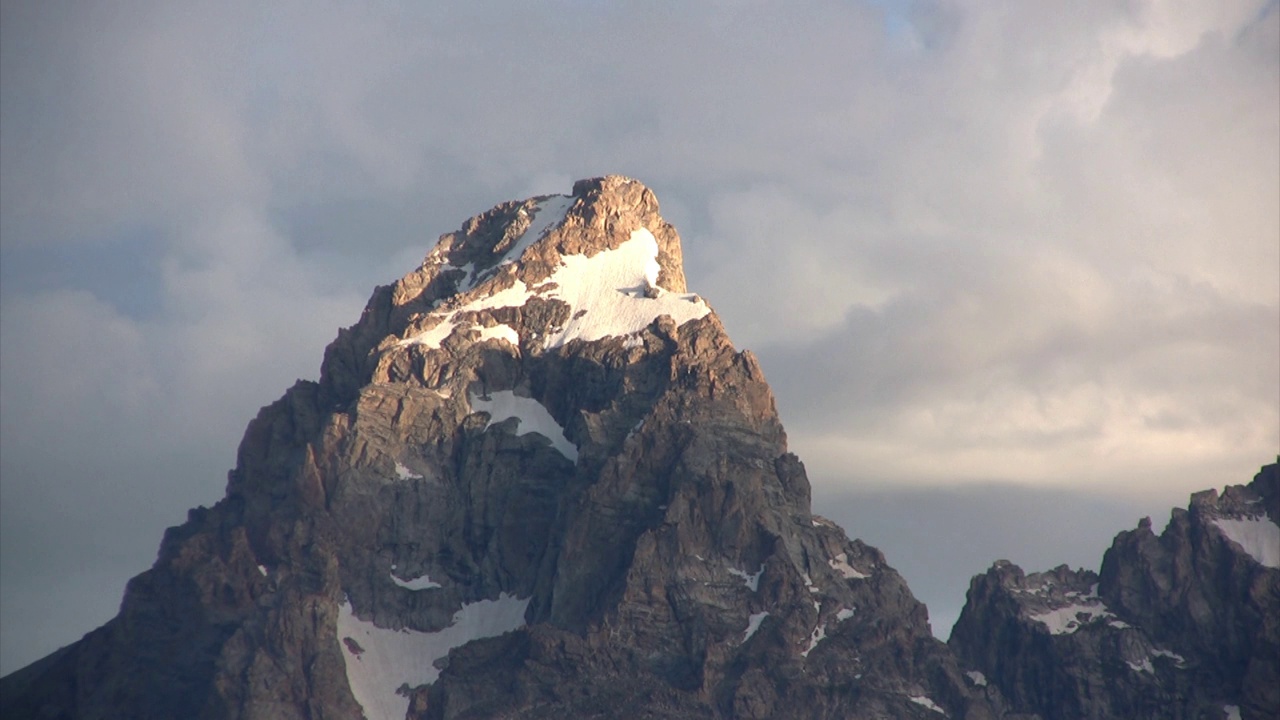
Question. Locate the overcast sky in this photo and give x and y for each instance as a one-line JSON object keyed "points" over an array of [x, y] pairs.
{"points": [[1012, 268]]}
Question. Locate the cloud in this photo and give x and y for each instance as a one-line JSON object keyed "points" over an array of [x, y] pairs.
{"points": [[970, 241]]}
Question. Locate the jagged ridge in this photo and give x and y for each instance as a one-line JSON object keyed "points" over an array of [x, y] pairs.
{"points": [[1183, 625]]}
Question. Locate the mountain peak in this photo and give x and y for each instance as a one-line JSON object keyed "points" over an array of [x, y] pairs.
{"points": [[602, 259], [536, 274], [532, 237], [535, 480]]}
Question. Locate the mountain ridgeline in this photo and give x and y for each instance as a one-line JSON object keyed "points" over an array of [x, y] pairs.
{"points": [[537, 480]]}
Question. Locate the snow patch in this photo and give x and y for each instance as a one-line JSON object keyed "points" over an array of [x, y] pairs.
{"points": [[977, 678], [434, 336], [808, 583], [1144, 666], [635, 428], [379, 661], [418, 583], [1119, 624], [926, 702], [500, 332], [404, 473], [1257, 536], [752, 581], [843, 614], [840, 564], [1066, 620], [262, 569], [819, 634], [467, 280], [1175, 657], [531, 416], [1232, 711], [753, 624]]}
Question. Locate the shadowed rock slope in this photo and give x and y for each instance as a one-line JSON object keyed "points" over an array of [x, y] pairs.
{"points": [[1181, 625], [534, 480]]}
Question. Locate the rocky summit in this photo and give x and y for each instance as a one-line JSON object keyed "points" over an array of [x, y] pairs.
{"points": [[537, 480]]}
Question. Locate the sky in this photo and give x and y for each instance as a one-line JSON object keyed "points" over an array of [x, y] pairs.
{"points": [[1012, 268]]}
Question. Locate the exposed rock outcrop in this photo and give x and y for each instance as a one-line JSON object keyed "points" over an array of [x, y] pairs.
{"points": [[1181, 625], [535, 480]]}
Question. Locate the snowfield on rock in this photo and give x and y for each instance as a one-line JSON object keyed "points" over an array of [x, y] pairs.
{"points": [[1066, 620], [607, 293], [610, 287], [380, 661]]}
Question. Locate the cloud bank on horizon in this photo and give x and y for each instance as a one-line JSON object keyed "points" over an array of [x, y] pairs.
{"points": [[971, 242]]}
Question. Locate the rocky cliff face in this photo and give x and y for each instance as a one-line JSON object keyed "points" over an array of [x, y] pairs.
{"points": [[1181, 625], [534, 480]]}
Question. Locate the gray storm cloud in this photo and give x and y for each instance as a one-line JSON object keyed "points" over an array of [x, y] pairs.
{"points": [[976, 245]]}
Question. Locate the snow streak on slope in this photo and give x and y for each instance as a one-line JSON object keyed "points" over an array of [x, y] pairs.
{"points": [[549, 213], [531, 416], [607, 293], [840, 564], [1257, 536], [926, 702], [380, 661], [753, 624]]}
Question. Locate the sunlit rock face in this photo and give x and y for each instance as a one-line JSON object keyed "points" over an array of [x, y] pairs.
{"points": [[536, 480], [1181, 625]]}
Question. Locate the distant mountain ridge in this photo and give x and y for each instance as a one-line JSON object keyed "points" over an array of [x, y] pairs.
{"points": [[537, 480], [1181, 625]]}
